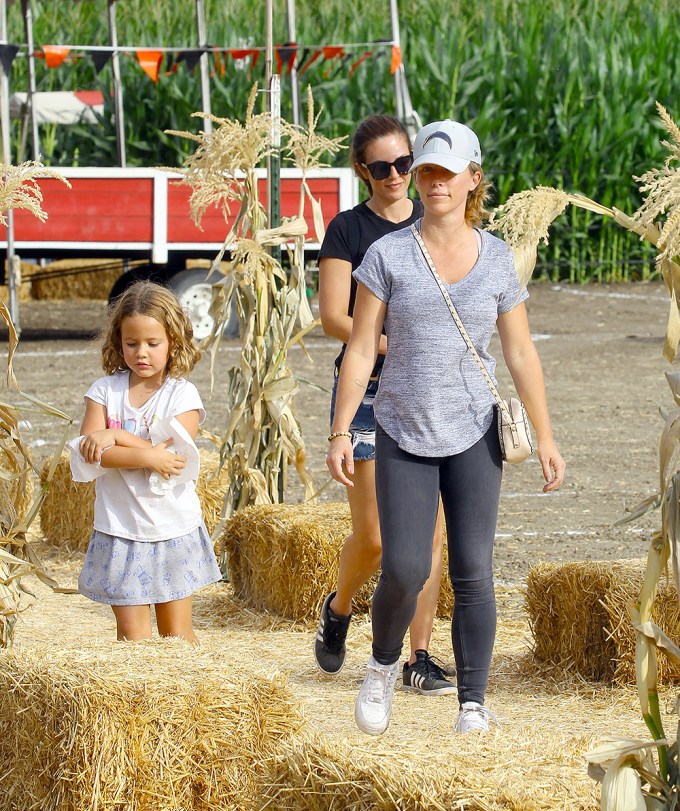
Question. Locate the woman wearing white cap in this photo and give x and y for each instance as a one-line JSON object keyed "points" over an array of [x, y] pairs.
{"points": [[437, 431]]}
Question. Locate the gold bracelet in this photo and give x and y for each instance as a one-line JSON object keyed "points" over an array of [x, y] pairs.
{"points": [[335, 434]]}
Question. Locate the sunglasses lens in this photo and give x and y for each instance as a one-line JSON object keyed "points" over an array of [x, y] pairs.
{"points": [[380, 170], [403, 165]]}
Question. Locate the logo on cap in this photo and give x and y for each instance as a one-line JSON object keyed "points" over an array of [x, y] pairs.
{"points": [[438, 134]]}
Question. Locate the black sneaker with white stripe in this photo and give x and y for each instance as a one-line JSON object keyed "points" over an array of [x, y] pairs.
{"points": [[329, 645], [425, 676]]}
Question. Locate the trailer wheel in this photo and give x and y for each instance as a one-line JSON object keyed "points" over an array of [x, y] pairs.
{"points": [[194, 290]]}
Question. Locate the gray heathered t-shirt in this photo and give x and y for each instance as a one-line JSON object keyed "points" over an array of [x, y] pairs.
{"points": [[432, 399]]}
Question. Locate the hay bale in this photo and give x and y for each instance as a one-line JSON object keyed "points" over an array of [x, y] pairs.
{"points": [[144, 726], [284, 558], [67, 511], [211, 486], [84, 285], [319, 774], [579, 620]]}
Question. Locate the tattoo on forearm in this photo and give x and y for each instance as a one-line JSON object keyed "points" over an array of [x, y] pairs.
{"points": [[361, 385]]}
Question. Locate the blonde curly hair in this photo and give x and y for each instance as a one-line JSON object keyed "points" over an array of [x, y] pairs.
{"points": [[155, 301]]}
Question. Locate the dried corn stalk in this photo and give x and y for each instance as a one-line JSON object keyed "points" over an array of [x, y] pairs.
{"points": [[262, 435], [626, 768], [18, 189]]}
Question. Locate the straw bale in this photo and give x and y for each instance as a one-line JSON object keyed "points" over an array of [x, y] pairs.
{"points": [[211, 486], [579, 619], [483, 774], [284, 558], [94, 284], [24, 289], [67, 511], [150, 726]]}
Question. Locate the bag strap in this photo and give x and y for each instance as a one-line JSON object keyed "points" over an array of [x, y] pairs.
{"points": [[447, 298]]}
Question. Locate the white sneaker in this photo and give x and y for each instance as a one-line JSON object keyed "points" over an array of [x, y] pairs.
{"points": [[374, 702], [474, 717]]}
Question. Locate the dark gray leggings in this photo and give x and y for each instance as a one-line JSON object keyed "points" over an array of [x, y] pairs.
{"points": [[408, 489]]}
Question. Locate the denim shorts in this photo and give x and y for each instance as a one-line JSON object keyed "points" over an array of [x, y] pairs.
{"points": [[363, 424]]}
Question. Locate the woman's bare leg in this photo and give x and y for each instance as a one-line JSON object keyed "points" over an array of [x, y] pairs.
{"points": [[361, 552]]}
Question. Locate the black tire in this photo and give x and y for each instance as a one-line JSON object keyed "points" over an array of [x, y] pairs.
{"points": [[194, 290]]}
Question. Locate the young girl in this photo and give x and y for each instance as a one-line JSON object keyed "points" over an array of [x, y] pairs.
{"points": [[149, 544]]}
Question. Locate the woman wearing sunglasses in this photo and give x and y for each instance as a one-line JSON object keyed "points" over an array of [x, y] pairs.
{"points": [[381, 156], [437, 432]]}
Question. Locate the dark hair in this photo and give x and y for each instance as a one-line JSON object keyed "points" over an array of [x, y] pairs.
{"points": [[148, 298], [369, 130]]}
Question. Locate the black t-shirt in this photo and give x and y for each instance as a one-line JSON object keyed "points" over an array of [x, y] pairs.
{"points": [[349, 235]]}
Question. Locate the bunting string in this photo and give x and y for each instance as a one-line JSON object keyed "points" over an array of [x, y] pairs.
{"points": [[290, 55]]}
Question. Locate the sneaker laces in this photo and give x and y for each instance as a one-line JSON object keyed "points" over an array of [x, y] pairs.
{"points": [[334, 634], [476, 716], [434, 669], [377, 683]]}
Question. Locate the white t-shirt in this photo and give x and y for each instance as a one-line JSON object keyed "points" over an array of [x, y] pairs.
{"points": [[125, 505]]}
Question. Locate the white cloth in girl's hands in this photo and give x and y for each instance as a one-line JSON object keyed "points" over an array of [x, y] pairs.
{"points": [[167, 428], [183, 444], [82, 471]]}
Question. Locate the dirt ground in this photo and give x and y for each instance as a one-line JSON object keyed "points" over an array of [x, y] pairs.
{"points": [[601, 352]]}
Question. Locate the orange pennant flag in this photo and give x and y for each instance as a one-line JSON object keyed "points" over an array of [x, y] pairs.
{"points": [[150, 63], [361, 59], [396, 59], [331, 51], [55, 54]]}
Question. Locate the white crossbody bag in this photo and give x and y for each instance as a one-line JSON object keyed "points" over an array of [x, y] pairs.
{"points": [[514, 432]]}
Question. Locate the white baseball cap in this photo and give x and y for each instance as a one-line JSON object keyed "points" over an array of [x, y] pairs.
{"points": [[448, 144]]}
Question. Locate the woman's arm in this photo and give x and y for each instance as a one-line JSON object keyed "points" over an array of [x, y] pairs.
{"points": [[335, 284], [524, 365], [357, 364]]}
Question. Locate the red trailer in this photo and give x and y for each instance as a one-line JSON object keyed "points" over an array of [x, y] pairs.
{"points": [[144, 214]]}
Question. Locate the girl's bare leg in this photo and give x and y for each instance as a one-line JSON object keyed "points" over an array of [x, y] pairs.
{"points": [[174, 619], [133, 622]]}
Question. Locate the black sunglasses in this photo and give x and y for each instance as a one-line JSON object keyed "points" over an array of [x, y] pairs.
{"points": [[380, 170]]}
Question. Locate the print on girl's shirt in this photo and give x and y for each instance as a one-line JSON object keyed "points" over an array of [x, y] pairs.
{"points": [[130, 425], [113, 422]]}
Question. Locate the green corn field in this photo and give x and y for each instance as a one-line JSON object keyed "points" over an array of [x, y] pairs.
{"points": [[561, 93]]}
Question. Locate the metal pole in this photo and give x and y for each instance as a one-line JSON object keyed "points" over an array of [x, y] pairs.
{"points": [[204, 68], [117, 86], [399, 100], [273, 86], [294, 85], [28, 26], [13, 264]]}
